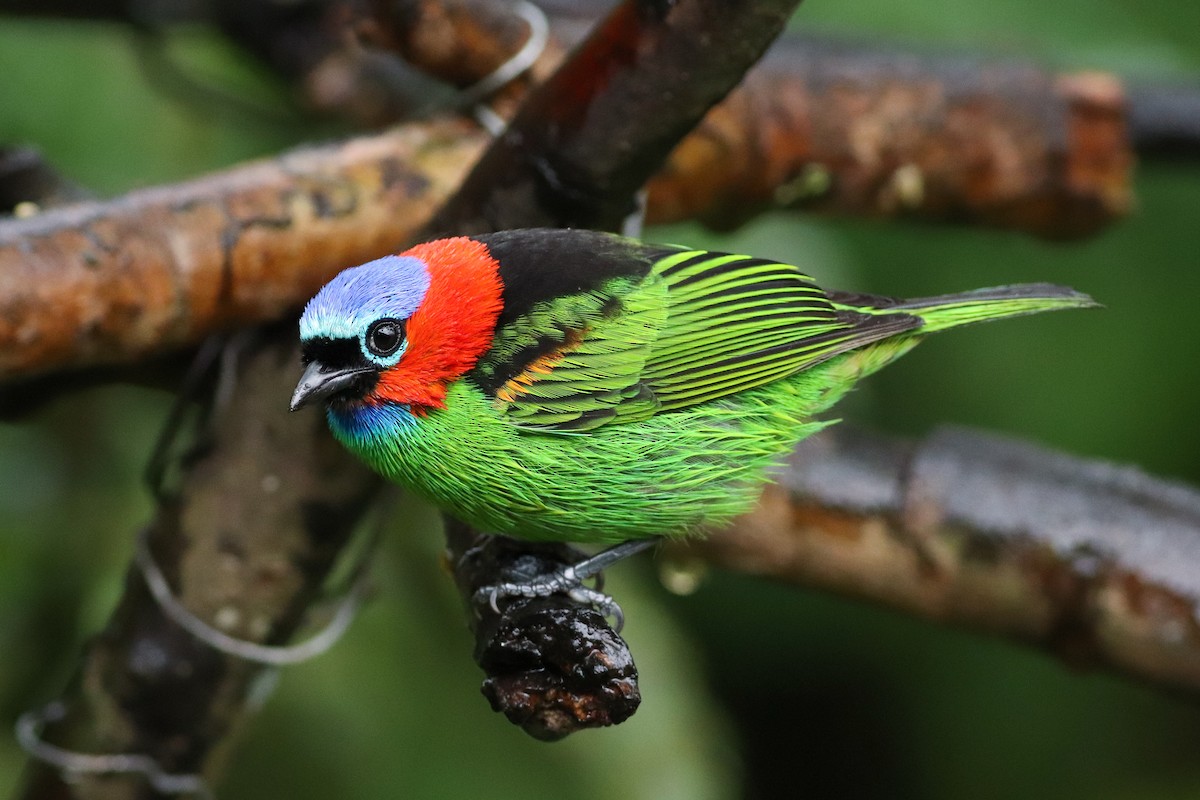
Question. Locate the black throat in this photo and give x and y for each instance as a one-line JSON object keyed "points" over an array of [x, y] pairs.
{"points": [[342, 354]]}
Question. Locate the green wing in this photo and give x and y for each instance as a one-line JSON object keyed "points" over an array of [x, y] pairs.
{"points": [[590, 352], [697, 326], [737, 322]]}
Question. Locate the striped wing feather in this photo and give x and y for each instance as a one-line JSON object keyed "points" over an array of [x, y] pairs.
{"points": [[699, 326], [737, 322], [589, 361]]}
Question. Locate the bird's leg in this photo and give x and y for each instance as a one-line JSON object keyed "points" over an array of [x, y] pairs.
{"points": [[569, 581]]}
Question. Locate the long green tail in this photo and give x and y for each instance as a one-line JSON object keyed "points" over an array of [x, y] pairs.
{"points": [[939, 313], [999, 302]]}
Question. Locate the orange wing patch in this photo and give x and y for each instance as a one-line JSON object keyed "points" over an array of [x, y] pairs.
{"points": [[542, 365]]}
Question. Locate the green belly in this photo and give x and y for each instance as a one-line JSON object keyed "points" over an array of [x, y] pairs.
{"points": [[672, 474]]}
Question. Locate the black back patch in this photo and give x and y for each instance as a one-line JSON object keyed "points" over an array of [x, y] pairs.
{"points": [[539, 264]]}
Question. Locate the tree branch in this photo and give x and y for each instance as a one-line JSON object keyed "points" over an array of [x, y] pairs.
{"points": [[1096, 562], [261, 513], [862, 132], [817, 127], [250, 234], [1008, 147], [587, 140], [156, 270], [553, 666]]}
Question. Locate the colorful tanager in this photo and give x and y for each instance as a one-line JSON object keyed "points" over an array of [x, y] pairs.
{"points": [[580, 386]]}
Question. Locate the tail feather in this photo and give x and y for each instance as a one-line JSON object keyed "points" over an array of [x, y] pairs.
{"points": [[939, 313], [982, 305]]}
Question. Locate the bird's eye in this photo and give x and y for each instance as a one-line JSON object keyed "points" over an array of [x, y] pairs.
{"points": [[385, 336]]}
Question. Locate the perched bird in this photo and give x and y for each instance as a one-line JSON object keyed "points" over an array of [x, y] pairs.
{"points": [[580, 386]]}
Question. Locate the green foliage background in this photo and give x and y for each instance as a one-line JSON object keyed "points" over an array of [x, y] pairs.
{"points": [[750, 689]]}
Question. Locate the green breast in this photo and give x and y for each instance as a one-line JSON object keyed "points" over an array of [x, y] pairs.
{"points": [[672, 474]]}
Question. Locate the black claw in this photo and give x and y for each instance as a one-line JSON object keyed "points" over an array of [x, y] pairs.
{"points": [[618, 616]]}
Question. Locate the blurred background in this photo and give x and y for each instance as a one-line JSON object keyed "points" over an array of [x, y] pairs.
{"points": [[750, 689]]}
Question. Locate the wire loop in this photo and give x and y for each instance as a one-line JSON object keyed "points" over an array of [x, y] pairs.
{"points": [[28, 730], [271, 655], [523, 59]]}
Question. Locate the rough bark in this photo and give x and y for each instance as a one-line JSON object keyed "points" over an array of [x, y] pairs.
{"points": [[246, 540], [159, 269], [860, 132], [115, 281], [252, 231], [1094, 561]]}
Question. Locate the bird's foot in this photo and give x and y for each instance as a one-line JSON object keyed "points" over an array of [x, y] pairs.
{"points": [[569, 580], [564, 581]]}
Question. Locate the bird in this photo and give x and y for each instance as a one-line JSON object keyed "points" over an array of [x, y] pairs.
{"points": [[572, 385]]}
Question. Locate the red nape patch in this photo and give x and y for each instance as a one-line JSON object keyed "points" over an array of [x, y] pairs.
{"points": [[453, 326]]}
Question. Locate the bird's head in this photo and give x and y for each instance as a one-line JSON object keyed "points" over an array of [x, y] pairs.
{"points": [[400, 329]]}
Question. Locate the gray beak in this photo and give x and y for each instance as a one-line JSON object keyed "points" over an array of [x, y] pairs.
{"points": [[320, 381]]}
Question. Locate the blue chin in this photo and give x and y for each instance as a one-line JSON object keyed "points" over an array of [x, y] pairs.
{"points": [[363, 427]]}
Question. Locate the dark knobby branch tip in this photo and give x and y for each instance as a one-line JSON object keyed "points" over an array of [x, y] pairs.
{"points": [[553, 666]]}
